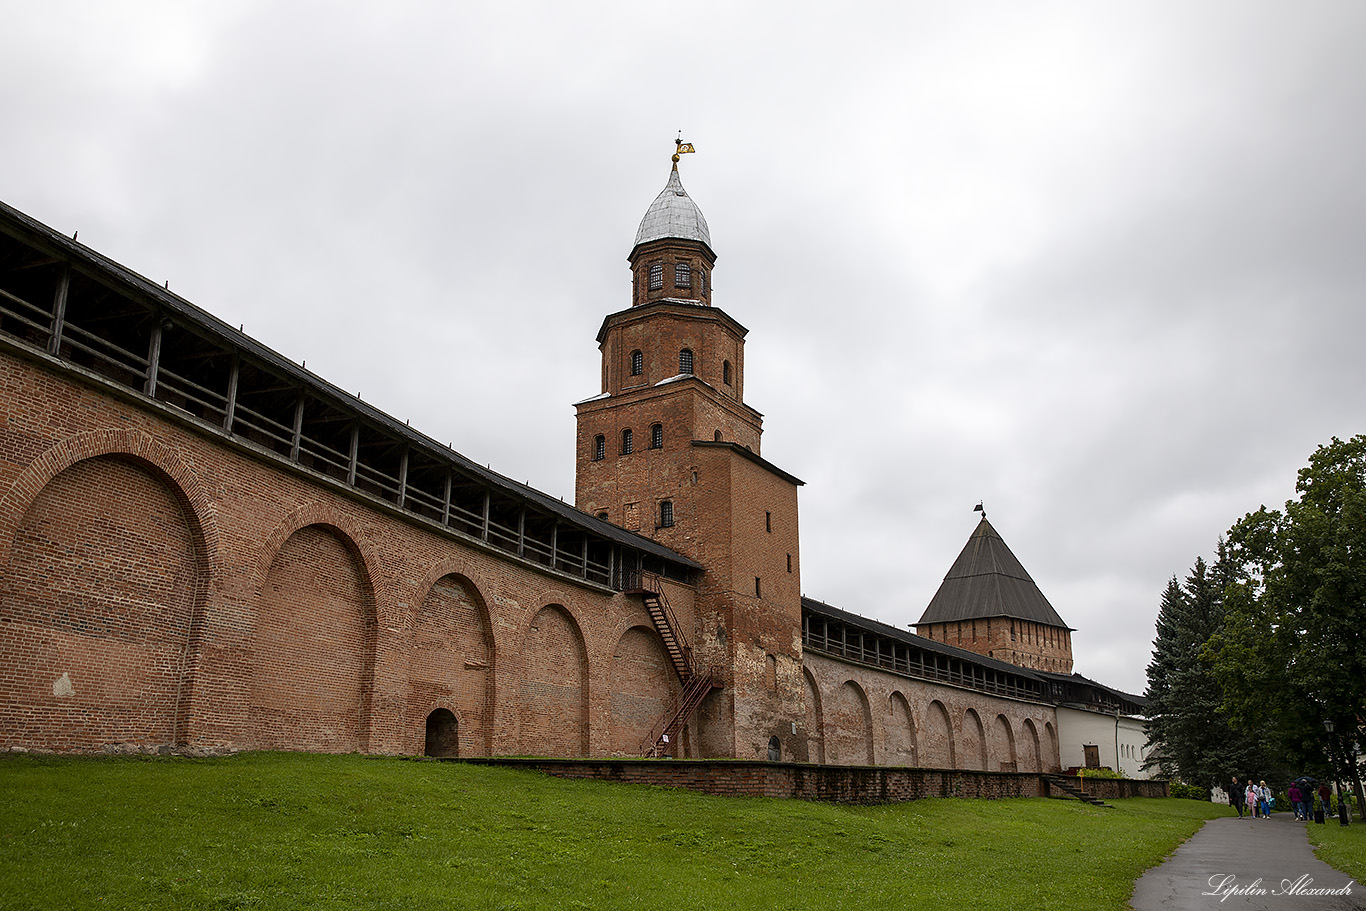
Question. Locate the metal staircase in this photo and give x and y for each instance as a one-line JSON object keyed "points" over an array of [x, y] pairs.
{"points": [[695, 685]]}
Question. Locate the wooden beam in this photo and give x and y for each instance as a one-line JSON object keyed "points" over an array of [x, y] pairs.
{"points": [[149, 384], [54, 341]]}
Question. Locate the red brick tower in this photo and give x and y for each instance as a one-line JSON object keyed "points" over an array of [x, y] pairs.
{"points": [[988, 604], [669, 449]]}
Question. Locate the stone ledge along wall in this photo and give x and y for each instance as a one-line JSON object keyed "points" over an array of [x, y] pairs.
{"points": [[835, 784]]}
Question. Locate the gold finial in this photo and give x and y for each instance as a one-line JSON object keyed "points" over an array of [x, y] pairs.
{"points": [[683, 148]]}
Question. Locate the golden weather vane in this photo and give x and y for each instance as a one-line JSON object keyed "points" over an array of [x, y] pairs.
{"points": [[683, 148]]}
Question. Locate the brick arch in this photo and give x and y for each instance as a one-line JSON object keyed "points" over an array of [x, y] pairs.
{"points": [[1029, 747], [938, 750], [442, 744], [318, 514], [849, 726], [814, 719], [552, 701], [451, 661], [973, 755], [134, 446], [643, 682], [902, 748], [313, 638], [1053, 761], [1001, 753], [117, 604]]}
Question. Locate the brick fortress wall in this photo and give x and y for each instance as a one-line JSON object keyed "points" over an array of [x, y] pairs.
{"points": [[836, 784], [164, 585]]}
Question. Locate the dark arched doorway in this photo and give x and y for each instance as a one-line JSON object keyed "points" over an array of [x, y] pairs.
{"points": [[443, 737], [775, 749]]}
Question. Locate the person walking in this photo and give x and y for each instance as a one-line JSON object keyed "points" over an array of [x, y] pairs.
{"points": [[1326, 796], [1250, 795], [1294, 795], [1264, 796], [1236, 798]]}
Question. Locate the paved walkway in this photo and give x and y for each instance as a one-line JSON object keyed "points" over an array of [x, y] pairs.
{"points": [[1249, 865]]}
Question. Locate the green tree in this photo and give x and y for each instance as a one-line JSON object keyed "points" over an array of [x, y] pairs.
{"points": [[1193, 738], [1292, 652]]}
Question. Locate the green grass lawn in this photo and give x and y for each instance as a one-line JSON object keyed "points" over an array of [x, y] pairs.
{"points": [[286, 830], [1341, 848]]}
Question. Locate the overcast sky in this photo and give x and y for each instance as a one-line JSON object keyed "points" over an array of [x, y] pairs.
{"points": [[1099, 265]]}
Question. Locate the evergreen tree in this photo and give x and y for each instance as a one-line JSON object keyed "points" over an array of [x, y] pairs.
{"points": [[1191, 735]]}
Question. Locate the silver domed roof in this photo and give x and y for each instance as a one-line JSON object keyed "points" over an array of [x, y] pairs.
{"points": [[673, 214]]}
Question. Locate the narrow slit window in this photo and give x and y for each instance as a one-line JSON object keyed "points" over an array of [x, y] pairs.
{"points": [[599, 448], [666, 514], [725, 372], [627, 442]]}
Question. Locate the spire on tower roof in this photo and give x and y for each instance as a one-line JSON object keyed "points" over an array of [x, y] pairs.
{"points": [[673, 214]]}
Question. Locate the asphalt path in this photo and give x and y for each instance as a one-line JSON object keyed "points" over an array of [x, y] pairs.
{"points": [[1249, 865]]}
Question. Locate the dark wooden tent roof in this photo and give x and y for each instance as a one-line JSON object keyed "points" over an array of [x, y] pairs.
{"points": [[988, 581]]}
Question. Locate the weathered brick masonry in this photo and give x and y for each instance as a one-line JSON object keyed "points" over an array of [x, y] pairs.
{"points": [[836, 784], [163, 586]]}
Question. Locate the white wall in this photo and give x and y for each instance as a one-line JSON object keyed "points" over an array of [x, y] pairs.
{"points": [[1121, 740]]}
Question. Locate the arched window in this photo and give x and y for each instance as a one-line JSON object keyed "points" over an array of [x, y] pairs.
{"points": [[656, 436], [637, 363], [656, 276], [725, 372], [682, 275], [666, 514], [627, 442], [599, 448], [701, 281], [603, 516], [685, 361], [717, 436]]}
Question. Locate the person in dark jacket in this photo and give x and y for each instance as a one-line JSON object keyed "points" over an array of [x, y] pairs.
{"points": [[1235, 797]]}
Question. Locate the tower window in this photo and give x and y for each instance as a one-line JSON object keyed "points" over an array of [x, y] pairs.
{"points": [[685, 361], [701, 281], [717, 436], [627, 441], [758, 592], [768, 521], [599, 448], [725, 372], [656, 276], [666, 514], [789, 563], [656, 436], [682, 275], [637, 363]]}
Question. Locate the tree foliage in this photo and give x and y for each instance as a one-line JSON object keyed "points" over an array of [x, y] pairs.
{"points": [[1291, 652], [1195, 741]]}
